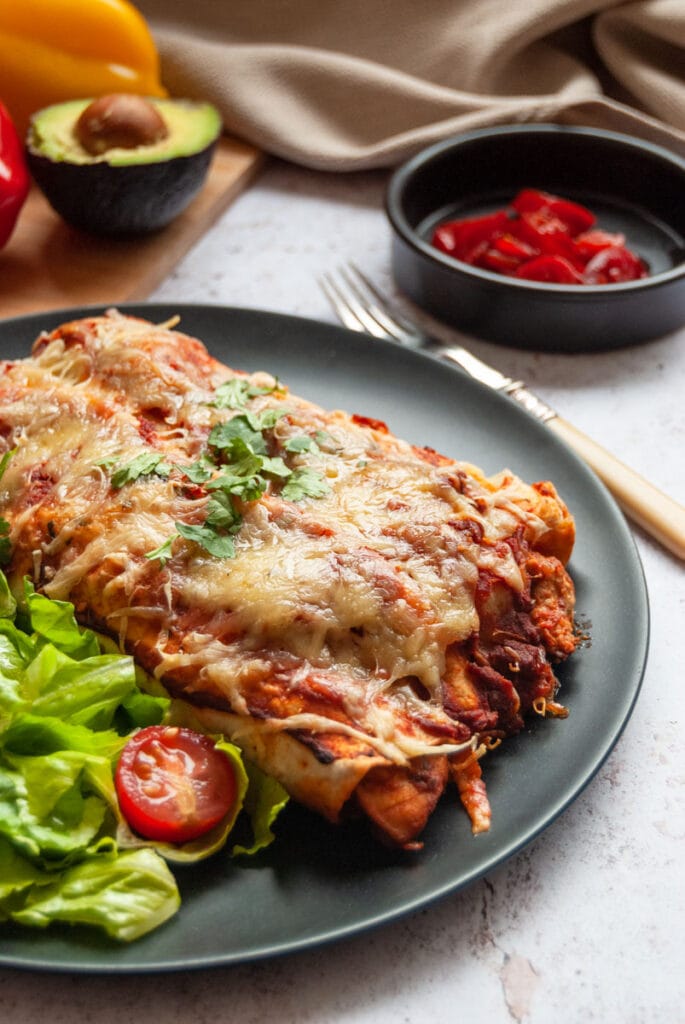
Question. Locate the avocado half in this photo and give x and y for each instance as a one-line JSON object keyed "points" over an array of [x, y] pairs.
{"points": [[125, 189]]}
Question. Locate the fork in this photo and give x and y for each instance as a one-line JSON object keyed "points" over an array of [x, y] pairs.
{"points": [[360, 306]]}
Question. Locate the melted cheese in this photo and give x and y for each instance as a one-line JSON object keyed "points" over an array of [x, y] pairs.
{"points": [[371, 582]]}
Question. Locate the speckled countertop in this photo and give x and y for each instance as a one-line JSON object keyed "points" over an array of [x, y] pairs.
{"points": [[586, 924]]}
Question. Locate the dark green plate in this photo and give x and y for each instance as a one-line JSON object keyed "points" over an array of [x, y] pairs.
{"points": [[318, 883]]}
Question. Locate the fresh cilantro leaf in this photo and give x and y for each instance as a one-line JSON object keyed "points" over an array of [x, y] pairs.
{"points": [[108, 462], [219, 545], [237, 434], [4, 461], [201, 471], [275, 467], [249, 488], [163, 552], [234, 394], [142, 465], [266, 419], [221, 513], [301, 443], [304, 483], [246, 464]]}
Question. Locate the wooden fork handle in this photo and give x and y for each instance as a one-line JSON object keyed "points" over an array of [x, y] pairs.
{"points": [[661, 516]]}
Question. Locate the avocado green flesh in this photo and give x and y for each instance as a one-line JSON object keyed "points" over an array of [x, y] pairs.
{"points": [[191, 128]]}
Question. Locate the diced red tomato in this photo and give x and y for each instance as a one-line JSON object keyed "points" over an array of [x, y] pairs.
{"points": [[541, 237], [575, 217], [553, 269], [508, 245], [610, 266], [588, 243], [460, 238], [491, 258], [173, 784], [547, 235]]}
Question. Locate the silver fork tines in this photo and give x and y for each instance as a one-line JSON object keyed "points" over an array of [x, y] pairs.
{"points": [[361, 307]]}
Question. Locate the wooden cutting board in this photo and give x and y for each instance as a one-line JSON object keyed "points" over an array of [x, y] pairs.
{"points": [[47, 264]]}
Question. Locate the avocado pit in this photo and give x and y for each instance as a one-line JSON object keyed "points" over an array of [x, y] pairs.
{"points": [[122, 164], [119, 121]]}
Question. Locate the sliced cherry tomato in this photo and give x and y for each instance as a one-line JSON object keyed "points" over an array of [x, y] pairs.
{"points": [[575, 217], [540, 230], [613, 265], [492, 259], [553, 269], [588, 243], [541, 237], [173, 784], [510, 246], [460, 238]]}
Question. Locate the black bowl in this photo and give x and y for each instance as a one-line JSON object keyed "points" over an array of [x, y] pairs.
{"points": [[632, 186]]}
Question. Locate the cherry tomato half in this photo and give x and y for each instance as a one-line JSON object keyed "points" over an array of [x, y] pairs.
{"points": [[173, 784]]}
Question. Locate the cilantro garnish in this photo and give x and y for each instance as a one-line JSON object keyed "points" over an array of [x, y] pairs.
{"points": [[217, 544], [221, 512], [4, 461], [142, 465], [163, 552], [235, 394], [301, 443], [201, 471], [235, 467], [304, 483], [237, 436]]}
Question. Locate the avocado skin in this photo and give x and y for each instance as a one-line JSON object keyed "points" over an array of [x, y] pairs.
{"points": [[123, 200]]}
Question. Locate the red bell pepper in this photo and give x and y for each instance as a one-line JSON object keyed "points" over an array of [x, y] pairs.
{"points": [[14, 176]]}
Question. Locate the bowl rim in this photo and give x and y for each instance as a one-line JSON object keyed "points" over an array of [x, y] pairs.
{"points": [[407, 171]]}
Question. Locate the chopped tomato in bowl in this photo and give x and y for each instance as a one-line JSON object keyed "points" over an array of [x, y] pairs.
{"points": [[541, 237]]}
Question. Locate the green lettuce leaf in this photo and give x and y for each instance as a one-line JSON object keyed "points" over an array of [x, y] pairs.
{"points": [[45, 811], [126, 895], [17, 874], [264, 801], [55, 622], [8, 605]]}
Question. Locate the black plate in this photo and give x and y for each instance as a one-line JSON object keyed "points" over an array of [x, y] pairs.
{"points": [[632, 187], [317, 883]]}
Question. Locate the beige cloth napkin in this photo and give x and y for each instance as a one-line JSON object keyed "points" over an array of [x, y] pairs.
{"points": [[364, 83]]}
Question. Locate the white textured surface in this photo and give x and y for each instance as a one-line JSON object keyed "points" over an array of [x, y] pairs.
{"points": [[586, 924]]}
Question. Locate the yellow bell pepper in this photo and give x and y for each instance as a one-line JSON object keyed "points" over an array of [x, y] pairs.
{"points": [[54, 50]]}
